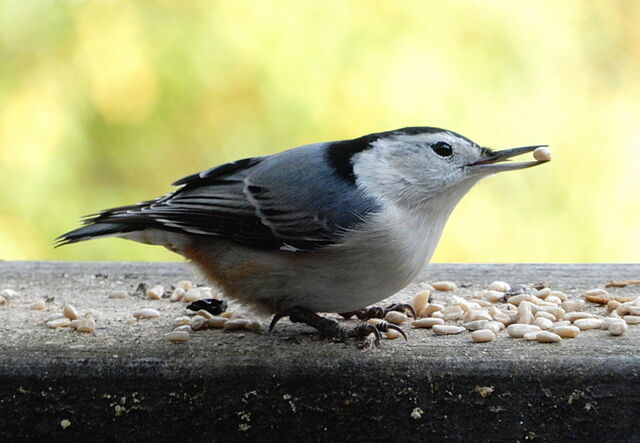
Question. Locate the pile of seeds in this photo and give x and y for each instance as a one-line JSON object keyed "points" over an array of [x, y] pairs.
{"points": [[184, 291], [532, 313], [526, 312], [69, 317]]}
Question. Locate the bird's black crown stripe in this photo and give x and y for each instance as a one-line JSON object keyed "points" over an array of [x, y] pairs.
{"points": [[340, 153]]}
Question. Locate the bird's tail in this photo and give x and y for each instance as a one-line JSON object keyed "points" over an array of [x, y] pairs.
{"points": [[92, 231]]}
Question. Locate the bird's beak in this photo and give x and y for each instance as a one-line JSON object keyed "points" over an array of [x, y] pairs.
{"points": [[491, 164]]}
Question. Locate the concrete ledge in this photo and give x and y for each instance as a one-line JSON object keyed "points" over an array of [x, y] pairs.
{"points": [[124, 382]]}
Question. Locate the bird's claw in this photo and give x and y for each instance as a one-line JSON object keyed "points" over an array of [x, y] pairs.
{"points": [[376, 328], [380, 312]]}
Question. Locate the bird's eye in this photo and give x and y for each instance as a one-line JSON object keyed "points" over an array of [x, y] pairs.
{"points": [[442, 149]]}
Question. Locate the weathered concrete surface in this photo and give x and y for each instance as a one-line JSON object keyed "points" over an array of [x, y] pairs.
{"points": [[124, 382]]}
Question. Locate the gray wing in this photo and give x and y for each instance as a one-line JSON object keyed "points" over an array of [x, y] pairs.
{"points": [[290, 201]]}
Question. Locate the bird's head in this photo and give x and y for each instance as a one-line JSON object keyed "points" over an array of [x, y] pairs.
{"points": [[411, 166]]}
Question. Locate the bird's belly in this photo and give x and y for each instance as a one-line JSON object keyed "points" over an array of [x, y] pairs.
{"points": [[364, 270], [354, 281]]}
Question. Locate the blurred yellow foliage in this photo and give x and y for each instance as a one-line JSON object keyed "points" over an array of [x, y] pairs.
{"points": [[105, 102]]}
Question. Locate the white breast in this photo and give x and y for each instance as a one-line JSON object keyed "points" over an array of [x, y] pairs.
{"points": [[374, 263]]}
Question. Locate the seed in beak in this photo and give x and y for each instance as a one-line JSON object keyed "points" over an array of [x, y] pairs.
{"points": [[542, 154]]}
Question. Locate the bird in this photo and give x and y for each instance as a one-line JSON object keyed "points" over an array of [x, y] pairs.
{"points": [[329, 227]]}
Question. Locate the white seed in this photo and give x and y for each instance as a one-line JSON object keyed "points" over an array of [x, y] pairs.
{"points": [[451, 313], [612, 305], [562, 323], [86, 325], [476, 325], [61, 323], [420, 301], [632, 319], [228, 314], [177, 295], [118, 294], [197, 322], [542, 154], [543, 293], [548, 337], [618, 328], [456, 300], [207, 292], [155, 293], [437, 314], [431, 308], [607, 321], [395, 317], [481, 303], [70, 312], [531, 336], [427, 322], [500, 286], [491, 296], [146, 313], [501, 317], [254, 325], [518, 330], [38, 305], [557, 311], [517, 299], [553, 299], [447, 329], [494, 326], [525, 315], [54, 316], [74, 323], [577, 315], [236, 323], [177, 336], [181, 321], [216, 322], [204, 313], [599, 296], [596, 291], [573, 305], [391, 334], [483, 336], [566, 331], [547, 315], [183, 328], [476, 314], [191, 295], [184, 284], [561, 295], [544, 323], [444, 285], [588, 323], [9, 294], [628, 309]]}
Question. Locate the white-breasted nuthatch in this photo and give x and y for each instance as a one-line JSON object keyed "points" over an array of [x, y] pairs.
{"points": [[325, 227]]}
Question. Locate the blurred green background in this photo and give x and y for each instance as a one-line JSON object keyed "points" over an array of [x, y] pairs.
{"points": [[104, 103]]}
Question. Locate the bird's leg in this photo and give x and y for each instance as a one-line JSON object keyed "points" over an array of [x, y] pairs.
{"points": [[332, 328], [380, 312]]}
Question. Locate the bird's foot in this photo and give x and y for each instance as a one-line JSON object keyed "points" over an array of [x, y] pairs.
{"points": [[331, 328], [380, 312]]}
